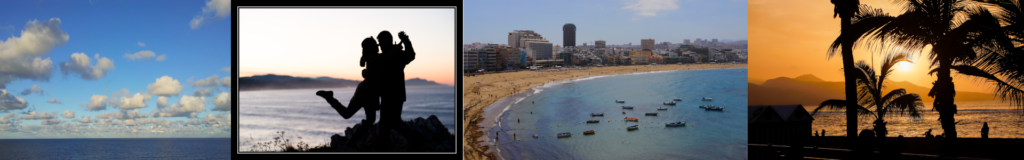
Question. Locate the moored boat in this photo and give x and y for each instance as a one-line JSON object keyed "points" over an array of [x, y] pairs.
{"points": [[670, 103], [633, 127], [673, 124], [714, 108], [706, 99], [620, 101], [677, 99], [632, 119], [652, 114], [593, 121], [597, 114], [627, 107], [588, 132], [535, 135], [663, 108], [566, 134]]}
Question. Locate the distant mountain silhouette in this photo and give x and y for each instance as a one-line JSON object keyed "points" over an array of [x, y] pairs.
{"points": [[271, 81], [809, 89]]}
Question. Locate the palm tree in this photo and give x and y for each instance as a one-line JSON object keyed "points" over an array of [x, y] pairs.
{"points": [[846, 9], [896, 101], [963, 36]]}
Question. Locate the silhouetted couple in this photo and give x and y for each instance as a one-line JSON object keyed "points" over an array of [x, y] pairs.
{"points": [[384, 78]]}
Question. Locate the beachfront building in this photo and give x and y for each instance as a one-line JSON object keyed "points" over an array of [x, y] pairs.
{"points": [[640, 57], [778, 124], [542, 49], [517, 38]]}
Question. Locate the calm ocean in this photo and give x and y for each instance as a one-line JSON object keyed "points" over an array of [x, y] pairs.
{"points": [[565, 106], [1003, 121], [128, 148], [299, 112]]}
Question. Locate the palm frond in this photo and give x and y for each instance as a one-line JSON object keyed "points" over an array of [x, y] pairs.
{"points": [[838, 105], [1004, 90], [907, 104]]}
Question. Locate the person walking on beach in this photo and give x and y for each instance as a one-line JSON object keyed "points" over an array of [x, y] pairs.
{"points": [[984, 131]]}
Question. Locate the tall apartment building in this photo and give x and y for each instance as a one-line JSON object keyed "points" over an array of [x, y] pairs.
{"points": [[569, 35], [647, 44], [599, 44], [517, 38], [542, 49], [686, 41]]}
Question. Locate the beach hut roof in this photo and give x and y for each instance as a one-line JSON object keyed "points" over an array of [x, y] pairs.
{"points": [[777, 113]]}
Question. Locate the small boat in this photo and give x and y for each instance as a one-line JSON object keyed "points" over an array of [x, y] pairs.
{"points": [[627, 107], [535, 135], [663, 108], [632, 119], [623, 112], [673, 124], [566, 134], [597, 114], [620, 101], [670, 103], [677, 99], [652, 114], [633, 127], [706, 99], [588, 132], [714, 108], [593, 121], [707, 106]]}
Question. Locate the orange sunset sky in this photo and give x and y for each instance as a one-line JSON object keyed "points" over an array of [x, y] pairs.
{"points": [[791, 38]]}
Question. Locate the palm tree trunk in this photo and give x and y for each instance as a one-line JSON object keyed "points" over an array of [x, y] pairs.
{"points": [[944, 93], [851, 86]]}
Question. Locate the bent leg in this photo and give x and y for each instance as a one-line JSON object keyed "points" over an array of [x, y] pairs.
{"points": [[365, 97]]}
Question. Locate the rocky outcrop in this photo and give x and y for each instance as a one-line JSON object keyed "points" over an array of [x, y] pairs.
{"points": [[432, 136]]}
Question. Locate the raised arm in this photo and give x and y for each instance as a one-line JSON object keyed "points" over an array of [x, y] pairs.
{"points": [[409, 54]]}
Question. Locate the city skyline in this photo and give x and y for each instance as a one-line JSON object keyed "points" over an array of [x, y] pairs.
{"points": [[611, 21]]}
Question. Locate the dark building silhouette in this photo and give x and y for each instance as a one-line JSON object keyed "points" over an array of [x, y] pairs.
{"points": [[777, 124], [569, 35]]}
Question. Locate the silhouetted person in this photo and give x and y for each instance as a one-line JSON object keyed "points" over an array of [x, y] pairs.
{"points": [[865, 146], [984, 132], [822, 132], [393, 85], [366, 92], [928, 134]]}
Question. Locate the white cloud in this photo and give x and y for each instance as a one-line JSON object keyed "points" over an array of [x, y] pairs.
{"points": [[651, 7], [96, 103], [34, 89], [124, 114], [165, 86], [202, 92], [133, 101], [80, 62], [140, 55], [68, 114], [19, 56], [215, 8], [226, 69], [52, 121], [85, 119], [142, 44], [208, 82], [55, 101], [10, 102], [162, 57], [222, 102], [34, 115], [225, 82], [161, 102], [188, 106]]}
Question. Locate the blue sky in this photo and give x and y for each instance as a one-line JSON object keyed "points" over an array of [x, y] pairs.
{"points": [[615, 21], [144, 40]]}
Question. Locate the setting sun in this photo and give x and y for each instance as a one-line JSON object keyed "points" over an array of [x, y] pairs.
{"points": [[904, 66]]}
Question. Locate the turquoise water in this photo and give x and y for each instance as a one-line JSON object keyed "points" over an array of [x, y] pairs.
{"points": [[565, 107]]}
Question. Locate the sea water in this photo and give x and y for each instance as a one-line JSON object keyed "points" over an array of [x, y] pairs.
{"points": [[301, 113], [566, 106], [1004, 121], [117, 148]]}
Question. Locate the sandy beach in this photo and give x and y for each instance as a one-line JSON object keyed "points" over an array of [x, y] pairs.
{"points": [[480, 91]]}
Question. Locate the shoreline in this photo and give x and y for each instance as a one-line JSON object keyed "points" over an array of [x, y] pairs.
{"points": [[485, 90]]}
